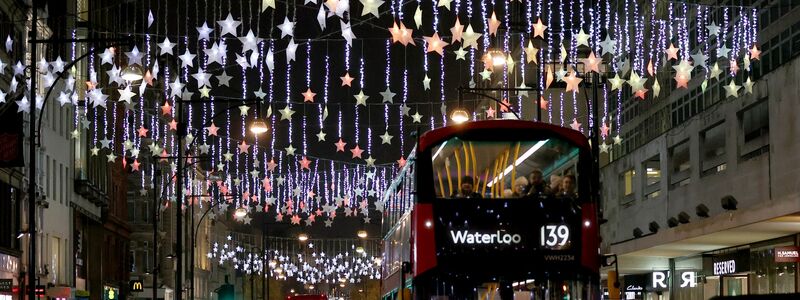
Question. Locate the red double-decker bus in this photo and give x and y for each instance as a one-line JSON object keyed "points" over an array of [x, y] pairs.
{"points": [[500, 209]]}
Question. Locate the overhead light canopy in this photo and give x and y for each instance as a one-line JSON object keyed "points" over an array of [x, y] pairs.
{"points": [[259, 126], [302, 237], [362, 234]]}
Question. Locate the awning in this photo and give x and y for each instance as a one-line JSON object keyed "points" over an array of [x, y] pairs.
{"points": [[653, 252]]}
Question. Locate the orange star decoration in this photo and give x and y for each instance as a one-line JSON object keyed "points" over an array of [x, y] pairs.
{"points": [[356, 152], [542, 102], [347, 80], [505, 106], [572, 82], [493, 24], [148, 77], [755, 54], [166, 109], [142, 131], [456, 31], [332, 4], [173, 125], [90, 85], [681, 81], [436, 44], [641, 93], [672, 52], [212, 130], [650, 69], [304, 163], [401, 162], [734, 67], [401, 34], [406, 35], [340, 145], [592, 63], [490, 113], [134, 165], [308, 96], [538, 29], [243, 147]]}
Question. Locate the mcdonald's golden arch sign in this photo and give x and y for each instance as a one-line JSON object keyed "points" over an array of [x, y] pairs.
{"points": [[136, 286]]}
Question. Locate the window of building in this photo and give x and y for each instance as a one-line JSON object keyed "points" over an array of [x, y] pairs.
{"points": [[713, 149], [680, 164], [627, 186], [754, 134], [652, 170]]}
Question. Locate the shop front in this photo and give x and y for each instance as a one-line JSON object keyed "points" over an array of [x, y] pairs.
{"points": [[9, 270], [658, 285]]}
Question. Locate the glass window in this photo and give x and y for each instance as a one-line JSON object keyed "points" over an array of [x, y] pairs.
{"points": [[652, 168], [755, 121], [713, 147], [627, 182], [771, 277], [680, 157], [510, 169]]}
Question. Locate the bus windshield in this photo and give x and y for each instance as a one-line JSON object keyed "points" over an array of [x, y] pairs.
{"points": [[505, 169]]}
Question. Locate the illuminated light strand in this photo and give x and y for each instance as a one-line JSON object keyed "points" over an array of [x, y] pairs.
{"points": [[506, 47], [471, 49], [326, 88], [441, 70]]}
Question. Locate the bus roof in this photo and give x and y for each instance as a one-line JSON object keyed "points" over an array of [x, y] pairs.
{"points": [[435, 136]]}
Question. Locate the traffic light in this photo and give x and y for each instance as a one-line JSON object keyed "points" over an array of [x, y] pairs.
{"points": [[225, 291]]}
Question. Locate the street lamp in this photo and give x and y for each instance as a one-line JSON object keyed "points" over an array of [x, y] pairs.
{"points": [[362, 234], [497, 57], [459, 116], [241, 212], [259, 126], [302, 237], [132, 73]]}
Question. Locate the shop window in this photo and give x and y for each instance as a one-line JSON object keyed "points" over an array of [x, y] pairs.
{"points": [[680, 164], [754, 136], [770, 277], [713, 149]]}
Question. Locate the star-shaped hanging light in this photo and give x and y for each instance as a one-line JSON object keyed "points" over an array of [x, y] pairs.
{"points": [[493, 24], [340, 145], [308, 95], [539, 28], [456, 31], [356, 151], [228, 25], [347, 80], [435, 44]]}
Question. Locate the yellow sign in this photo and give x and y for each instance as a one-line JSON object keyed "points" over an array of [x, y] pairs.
{"points": [[136, 286]]}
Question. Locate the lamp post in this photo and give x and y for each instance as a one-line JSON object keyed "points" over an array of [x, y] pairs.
{"points": [[257, 127], [33, 132]]}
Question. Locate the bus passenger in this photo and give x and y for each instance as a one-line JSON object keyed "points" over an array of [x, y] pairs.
{"points": [[467, 188], [507, 193], [568, 187], [537, 184], [555, 184], [519, 188]]}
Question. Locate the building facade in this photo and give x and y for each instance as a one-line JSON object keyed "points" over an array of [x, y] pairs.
{"points": [[702, 198]]}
